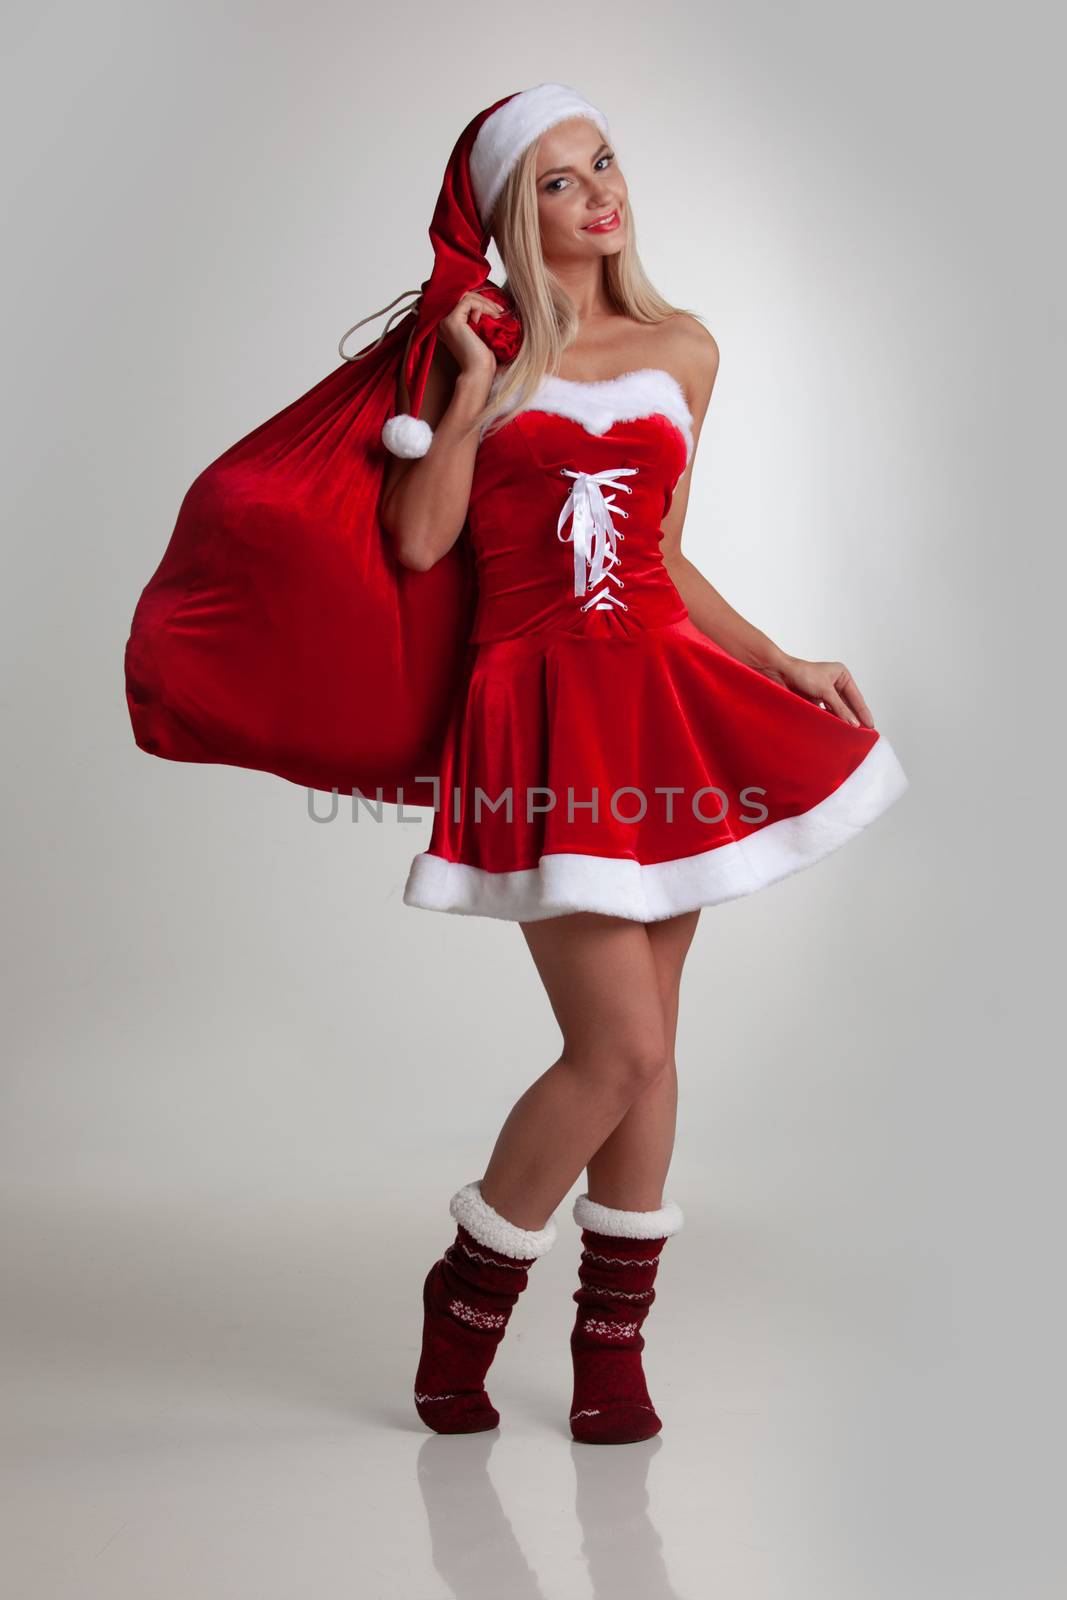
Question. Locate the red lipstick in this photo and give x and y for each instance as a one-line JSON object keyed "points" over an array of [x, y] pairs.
{"points": [[605, 224]]}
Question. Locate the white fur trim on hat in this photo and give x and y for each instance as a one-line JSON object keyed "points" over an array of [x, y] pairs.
{"points": [[407, 436], [512, 127], [627, 1224], [490, 1228]]}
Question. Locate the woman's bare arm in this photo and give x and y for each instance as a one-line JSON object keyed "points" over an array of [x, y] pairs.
{"points": [[711, 613], [826, 683], [425, 501]]}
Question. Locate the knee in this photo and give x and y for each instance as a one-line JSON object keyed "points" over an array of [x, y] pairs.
{"points": [[640, 1065], [627, 1067]]}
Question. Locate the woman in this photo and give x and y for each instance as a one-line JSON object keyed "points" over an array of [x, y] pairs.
{"points": [[602, 659]]}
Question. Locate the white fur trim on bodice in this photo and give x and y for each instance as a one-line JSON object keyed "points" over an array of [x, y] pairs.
{"points": [[598, 403]]}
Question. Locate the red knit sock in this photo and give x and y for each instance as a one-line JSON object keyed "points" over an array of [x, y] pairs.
{"points": [[620, 1258], [468, 1298]]}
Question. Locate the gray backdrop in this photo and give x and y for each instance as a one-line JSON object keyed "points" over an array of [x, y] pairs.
{"points": [[242, 1078]]}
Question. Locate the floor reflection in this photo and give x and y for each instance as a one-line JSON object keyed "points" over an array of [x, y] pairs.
{"points": [[474, 1546]]}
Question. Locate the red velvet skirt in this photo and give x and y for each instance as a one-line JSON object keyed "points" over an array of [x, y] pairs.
{"points": [[639, 775]]}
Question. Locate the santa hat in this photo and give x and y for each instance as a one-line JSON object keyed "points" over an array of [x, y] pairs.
{"points": [[478, 167]]}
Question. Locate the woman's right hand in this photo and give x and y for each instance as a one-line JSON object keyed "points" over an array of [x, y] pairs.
{"points": [[455, 332]]}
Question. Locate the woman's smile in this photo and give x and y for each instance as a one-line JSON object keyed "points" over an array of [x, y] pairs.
{"points": [[603, 224]]}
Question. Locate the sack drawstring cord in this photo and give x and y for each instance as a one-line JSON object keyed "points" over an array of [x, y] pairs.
{"points": [[401, 313]]}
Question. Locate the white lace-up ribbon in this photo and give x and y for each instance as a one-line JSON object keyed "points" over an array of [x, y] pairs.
{"points": [[593, 532]]}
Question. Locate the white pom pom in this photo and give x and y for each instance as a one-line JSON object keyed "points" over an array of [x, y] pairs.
{"points": [[407, 436]]}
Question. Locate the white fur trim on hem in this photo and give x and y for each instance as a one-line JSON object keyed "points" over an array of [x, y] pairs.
{"points": [[490, 1228], [627, 1224], [621, 887]]}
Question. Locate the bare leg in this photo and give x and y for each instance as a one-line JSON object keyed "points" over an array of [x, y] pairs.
{"points": [[605, 988], [621, 1248], [630, 1168]]}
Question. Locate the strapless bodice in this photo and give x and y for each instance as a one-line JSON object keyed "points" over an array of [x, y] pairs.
{"points": [[567, 505]]}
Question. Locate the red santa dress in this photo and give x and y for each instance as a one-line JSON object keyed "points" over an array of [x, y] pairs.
{"points": [[603, 754]]}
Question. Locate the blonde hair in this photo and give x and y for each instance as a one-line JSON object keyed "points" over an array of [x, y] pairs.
{"points": [[549, 321]]}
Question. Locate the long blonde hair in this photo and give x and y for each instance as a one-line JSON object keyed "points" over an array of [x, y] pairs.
{"points": [[549, 321]]}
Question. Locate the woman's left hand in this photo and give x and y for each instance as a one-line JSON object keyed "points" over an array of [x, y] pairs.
{"points": [[829, 683]]}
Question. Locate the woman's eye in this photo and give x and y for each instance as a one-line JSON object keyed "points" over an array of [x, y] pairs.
{"points": [[550, 186]]}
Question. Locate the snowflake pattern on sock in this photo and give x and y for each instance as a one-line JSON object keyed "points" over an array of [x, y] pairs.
{"points": [[611, 1403], [468, 1298]]}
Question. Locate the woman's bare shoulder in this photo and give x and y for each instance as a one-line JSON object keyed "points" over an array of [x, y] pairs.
{"points": [[695, 343], [691, 353]]}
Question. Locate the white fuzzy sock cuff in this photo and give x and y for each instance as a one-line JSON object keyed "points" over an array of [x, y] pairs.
{"points": [[490, 1228], [627, 1224]]}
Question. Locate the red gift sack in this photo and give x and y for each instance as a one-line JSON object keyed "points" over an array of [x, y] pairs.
{"points": [[279, 631]]}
